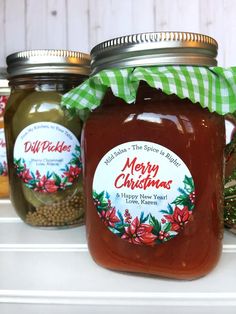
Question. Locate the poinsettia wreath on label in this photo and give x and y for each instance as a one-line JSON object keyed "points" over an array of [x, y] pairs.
{"points": [[50, 182], [147, 230]]}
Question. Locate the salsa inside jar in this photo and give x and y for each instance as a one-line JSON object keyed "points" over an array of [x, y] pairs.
{"points": [[141, 141]]}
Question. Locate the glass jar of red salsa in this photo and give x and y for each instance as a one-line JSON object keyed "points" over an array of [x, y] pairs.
{"points": [[153, 173]]}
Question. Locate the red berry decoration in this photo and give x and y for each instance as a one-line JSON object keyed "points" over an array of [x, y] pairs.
{"points": [[192, 197]]}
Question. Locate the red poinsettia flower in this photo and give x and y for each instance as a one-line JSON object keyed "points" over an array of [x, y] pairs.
{"points": [[179, 218], [46, 185], [50, 186], [109, 217], [73, 173], [138, 233], [25, 175]]}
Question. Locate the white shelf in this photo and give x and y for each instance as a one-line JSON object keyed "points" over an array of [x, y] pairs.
{"points": [[51, 271]]}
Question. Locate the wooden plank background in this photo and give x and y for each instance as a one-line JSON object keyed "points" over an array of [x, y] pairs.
{"points": [[81, 24]]}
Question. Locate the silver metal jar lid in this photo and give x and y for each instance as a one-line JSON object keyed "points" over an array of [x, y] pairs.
{"points": [[148, 49], [48, 62]]}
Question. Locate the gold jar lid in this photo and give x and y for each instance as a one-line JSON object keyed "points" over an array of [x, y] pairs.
{"points": [[148, 49], [48, 62]]}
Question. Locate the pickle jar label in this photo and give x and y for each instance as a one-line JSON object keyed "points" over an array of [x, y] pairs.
{"points": [[47, 157], [143, 192], [3, 157], [3, 102]]}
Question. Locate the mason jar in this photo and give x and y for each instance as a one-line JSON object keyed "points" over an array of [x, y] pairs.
{"points": [[42, 139], [153, 171], [4, 93]]}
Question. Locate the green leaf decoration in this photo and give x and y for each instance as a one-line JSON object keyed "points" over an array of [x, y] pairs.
{"points": [[77, 149], [181, 191], [116, 231], [33, 182], [190, 207], [168, 211], [49, 175], [95, 195], [165, 212], [100, 198], [103, 206], [156, 225], [20, 167], [18, 162], [181, 200], [120, 228], [65, 180], [66, 169], [120, 216], [188, 184], [142, 218], [57, 179], [30, 186], [167, 227], [76, 160]]}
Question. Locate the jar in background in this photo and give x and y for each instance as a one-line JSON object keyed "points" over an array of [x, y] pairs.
{"points": [[4, 93], [136, 155], [43, 140]]}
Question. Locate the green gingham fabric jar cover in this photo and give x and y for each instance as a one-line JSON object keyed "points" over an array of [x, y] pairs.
{"points": [[212, 87]]}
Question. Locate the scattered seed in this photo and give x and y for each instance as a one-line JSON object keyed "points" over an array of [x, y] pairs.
{"points": [[63, 213]]}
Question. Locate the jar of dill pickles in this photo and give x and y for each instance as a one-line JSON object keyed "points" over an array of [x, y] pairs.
{"points": [[42, 139], [4, 92]]}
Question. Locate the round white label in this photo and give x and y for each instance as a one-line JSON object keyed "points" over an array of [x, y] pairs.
{"points": [[47, 157], [143, 192], [3, 102], [3, 154]]}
